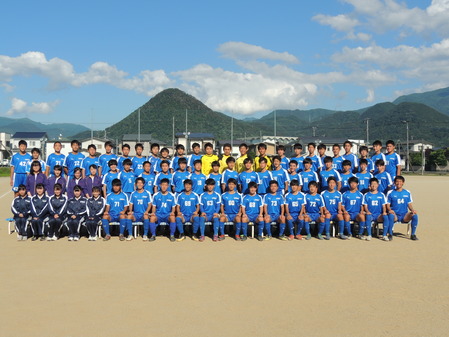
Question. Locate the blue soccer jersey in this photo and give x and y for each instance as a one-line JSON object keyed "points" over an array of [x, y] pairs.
{"points": [[345, 181], [72, 161], [326, 174], [231, 202], [217, 177], [140, 201], [264, 182], [85, 164], [274, 203], [187, 203], [164, 203], [399, 201], [117, 202], [174, 163], [198, 182], [228, 174], [392, 162], [104, 160], [377, 157], [353, 159], [155, 164], [299, 160], [316, 163], [385, 181], [314, 203], [294, 202], [120, 161], [364, 181], [160, 176], [149, 181], [191, 159], [285, 162], [252, 205], [245, 178], [336, 163], [331, 201], [20, 162], [178, 180], [352, 201], [281, 176], [307, 177], [294, 176], [107, 180], [53, 160], [128, 180], [374, 201], [370, 167], [210, 203], [138, 164], [43, 165]]}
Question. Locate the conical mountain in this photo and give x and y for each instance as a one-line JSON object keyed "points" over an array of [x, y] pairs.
{"points": [[156, 118]]}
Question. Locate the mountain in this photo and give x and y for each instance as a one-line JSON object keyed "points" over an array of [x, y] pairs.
{"points": [[437, 99], [13, 125], [156, 117]]}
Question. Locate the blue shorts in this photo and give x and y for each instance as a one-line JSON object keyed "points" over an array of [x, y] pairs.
{"points": [[231, 216], [401, 217], [314, 216], [138, 217], [114, 217], [162, 218], [19, 179], [353, 216], [274, 217], [252, 217], [209, 217], [294, 216], [334, 217], [374, 217]]}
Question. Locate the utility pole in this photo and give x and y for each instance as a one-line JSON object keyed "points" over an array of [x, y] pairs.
{"points": [[423, 160], [367, 130]]}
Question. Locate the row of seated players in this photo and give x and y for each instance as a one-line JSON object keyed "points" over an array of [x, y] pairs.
{"points": [[295, 209], [262, 178]]}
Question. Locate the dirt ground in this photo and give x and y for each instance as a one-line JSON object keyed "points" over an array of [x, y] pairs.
{"points": [[271, 288]]}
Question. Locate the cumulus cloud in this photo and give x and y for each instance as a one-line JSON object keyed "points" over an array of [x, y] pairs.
{"points": [[20, 106], [240, 50], [341, 22]]}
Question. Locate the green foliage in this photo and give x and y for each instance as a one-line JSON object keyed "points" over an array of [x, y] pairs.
{"points": [[437, 99], [438, 158], [415, 159], [5, 171]]}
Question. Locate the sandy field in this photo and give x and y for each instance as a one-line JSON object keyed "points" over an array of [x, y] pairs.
{"points": [[229, 288]]}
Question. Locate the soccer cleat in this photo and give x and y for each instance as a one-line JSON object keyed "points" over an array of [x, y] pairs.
{"points": [[283, 238], [145, 238], [215, 238], [152, 238], [107, 237], [327, 237], [368, 238], [243, 237], [129, 238], [298, 237], [172, 238], [195, 238], [121, 237], [414, 237], [291, 237], [237, 238], [320, 236], [343, 237], [260, 238], [385, 238], [202, 238], [19, 237], [221, 238], [182, 237], [308, 237]]}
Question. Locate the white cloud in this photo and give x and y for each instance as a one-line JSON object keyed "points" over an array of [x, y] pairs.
{"points": [[240, 50], [341, 22], [7, 87], [20, 106], [370, 96]]}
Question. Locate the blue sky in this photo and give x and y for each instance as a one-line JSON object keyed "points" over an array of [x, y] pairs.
{"points": [[95, 62]]}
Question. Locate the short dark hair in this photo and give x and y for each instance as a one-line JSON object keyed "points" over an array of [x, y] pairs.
{"points": [[230, 159], [23, 142], [372, 180], [232, 180], [112, 162], [140, 145], [347, 142], [127, 161], [377, 142], [35, 149], [294, 182], [243, 145], [331, 179], [57, 168], [273, 182], [210, 181], [75, 141], [140, 179], [313, 183], [164, 181], [164, 149], [57, 186], [40, 185], [180, 146], [198, 161], [165, 162], [216, 163], [208, 145], [328, 159], [311, 144], [280, 147], [262, 146], [363, 148], [182, 161], [321, 146], [297, 146], [380, 162], [153, 145], [346, 163], [390, 142], [108, 143], [194, 145], [252, 184], [188, 182], [247, 160], [399, 178], [307, 161], [353, 180], [126, 145], [294, 162], [363, 161], [92, 146]]}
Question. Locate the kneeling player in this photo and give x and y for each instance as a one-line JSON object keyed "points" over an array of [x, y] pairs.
{"points": [[274, 209], [332, 201], [294, 202], [352, 207], [164, 204], [139, 207], [231, 210], [187, 210], [210, 202], [116, 207], [252, 209], [374, 203], [95, 208], [400, 207], [76, 210], [314, 211]]}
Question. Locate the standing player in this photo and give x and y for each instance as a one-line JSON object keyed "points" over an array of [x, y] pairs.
{"points": [[208, 158], [393, 161], [210, 203], [321, 151], [180, 149], [239, 166], [164, 173], [57, 205], [198, 178], [231, 210], [148, 176], [55, 158], [227, 149], [19, 162], [109, 177], [274, 209], [154, 158], [246, 176], [73, 159], [377, 146], [138, 160], [76, 211], [332, 202], [36, 157], [163, 210], [297, 148], [363, 150], [385, 181], [308, 174], [252, 210], [180, 175], [262, 149], [346, 174], [265, 177], [400, 207], [337, 160], [353, 159], [215, 174], [280, 175], [21, 209], [364, 176], [228, 174], [294, 202], [375, 205], [293, 174], [127, 178], [140, 204], [327, 172], [284, 160], [116, 207], [352, 207], [95, 207], [104, 159], [194, 156], [187, 210], [125, 155], [316, 161], [91, 159]]}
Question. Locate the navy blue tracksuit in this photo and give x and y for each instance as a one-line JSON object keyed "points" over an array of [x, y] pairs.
{"points": [[95, 208], [39, 211], [57, 206], [77, 207], [21, 206]]}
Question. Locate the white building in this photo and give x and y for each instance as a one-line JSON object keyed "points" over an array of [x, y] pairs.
{"points": [[33, 139], [5, 147], [145, 139], [200, 138], [65, 147], [98, 142]]}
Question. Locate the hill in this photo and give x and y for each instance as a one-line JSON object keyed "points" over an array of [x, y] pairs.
{"points": [[13, 125], [437, 99], [157, 114]]}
